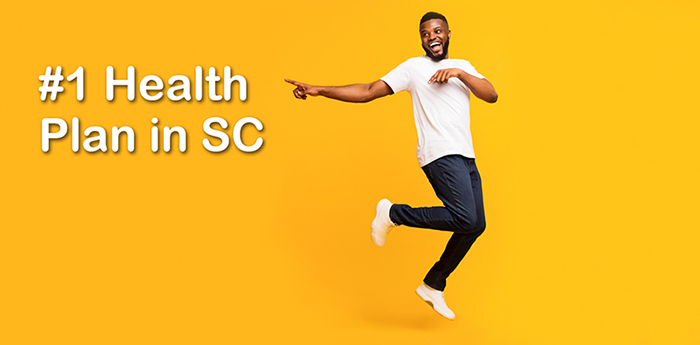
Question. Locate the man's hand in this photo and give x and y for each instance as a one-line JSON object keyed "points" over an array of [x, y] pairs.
{"points": [[303, 90], [481, 88], [443, 75]]}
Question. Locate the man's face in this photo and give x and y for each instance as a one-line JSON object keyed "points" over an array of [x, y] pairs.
{"points": [[436, 38]]}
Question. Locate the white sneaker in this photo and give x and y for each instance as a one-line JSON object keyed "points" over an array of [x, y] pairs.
{"points": [[382, 224], [436, 299]]}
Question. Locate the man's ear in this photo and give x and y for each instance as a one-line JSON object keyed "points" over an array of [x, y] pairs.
{"points": [[449, 33]]}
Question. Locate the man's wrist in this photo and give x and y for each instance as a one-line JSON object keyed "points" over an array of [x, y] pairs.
{"points": [[463, 76]]}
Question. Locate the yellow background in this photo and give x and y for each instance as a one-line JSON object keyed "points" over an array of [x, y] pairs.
{"points": [[589, 163]]}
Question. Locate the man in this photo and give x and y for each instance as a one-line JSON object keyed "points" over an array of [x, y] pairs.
{"points": [[440, 89]]}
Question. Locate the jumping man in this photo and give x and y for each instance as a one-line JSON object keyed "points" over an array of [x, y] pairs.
{"points": [[440, 88]]}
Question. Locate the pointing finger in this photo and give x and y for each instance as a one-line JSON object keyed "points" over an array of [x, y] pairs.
{"points": [[432, 78]]}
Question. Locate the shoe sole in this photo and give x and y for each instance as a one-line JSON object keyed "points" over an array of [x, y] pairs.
{"points": [[374, 221]]}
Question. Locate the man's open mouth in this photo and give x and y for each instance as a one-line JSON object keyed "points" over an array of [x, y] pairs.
{"points": [[435, 46]]}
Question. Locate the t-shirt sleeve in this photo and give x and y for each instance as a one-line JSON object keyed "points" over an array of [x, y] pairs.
{"points": [[398, 78], [467, 67]]}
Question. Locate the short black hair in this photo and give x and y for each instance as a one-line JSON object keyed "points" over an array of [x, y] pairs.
{"points": [[433, 15]]}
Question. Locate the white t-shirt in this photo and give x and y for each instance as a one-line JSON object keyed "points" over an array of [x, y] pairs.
{"points": [[441, 111]]}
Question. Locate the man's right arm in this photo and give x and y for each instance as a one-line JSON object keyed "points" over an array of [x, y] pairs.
{"points": [[355, 93]]}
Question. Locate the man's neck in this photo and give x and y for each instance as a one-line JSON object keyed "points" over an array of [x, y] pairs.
{"points": [[431, 59]]}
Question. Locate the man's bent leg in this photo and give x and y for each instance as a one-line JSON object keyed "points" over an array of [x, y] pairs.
{"points": [[460, 243], [457, 183], [451, 179]]}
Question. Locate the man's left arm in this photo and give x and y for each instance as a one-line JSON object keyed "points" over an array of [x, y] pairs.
{"points": [[481, 88]]}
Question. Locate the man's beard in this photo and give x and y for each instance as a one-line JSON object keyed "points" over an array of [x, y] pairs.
{"points": [[437, 58]]}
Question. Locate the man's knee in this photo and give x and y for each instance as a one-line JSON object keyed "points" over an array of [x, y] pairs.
{"points": [[481, 227], [469, 225]]}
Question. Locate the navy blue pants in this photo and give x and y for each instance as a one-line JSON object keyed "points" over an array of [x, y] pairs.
{"points": [[457, 183]]}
